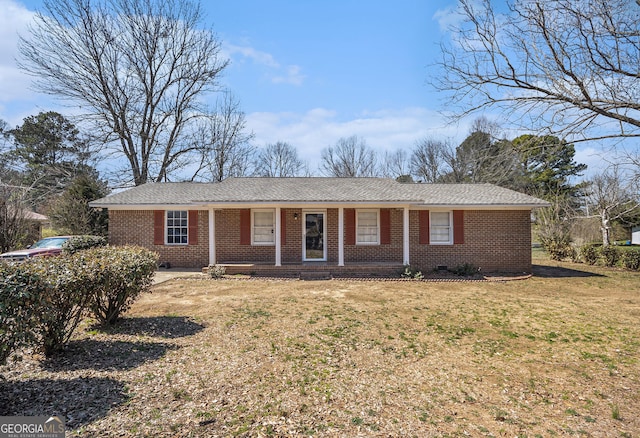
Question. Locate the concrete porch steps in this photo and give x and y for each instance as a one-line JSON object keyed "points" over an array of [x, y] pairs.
{"points": [[314, 271]]}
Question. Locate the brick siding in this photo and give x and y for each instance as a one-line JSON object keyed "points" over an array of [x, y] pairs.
{"points": [[379, 253], [494, 240], [136, 228]]}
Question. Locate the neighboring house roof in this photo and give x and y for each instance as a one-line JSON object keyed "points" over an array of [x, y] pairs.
{"points": [[33, 216], [318, 190]]}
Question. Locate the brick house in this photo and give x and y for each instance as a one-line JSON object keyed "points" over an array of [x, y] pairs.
{"points": [[336, 224]]}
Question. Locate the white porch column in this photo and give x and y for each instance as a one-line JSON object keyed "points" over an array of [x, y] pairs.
{"points": [[341, 236], [405, 236], [278, 239], [212, 237]]}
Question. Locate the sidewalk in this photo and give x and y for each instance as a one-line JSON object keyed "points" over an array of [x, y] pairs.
{"points": [[163, 275]]}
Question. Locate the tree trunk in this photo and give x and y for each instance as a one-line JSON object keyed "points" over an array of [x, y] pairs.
{"points": [[605, 228]]}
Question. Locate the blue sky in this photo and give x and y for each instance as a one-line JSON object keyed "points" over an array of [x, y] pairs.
{"points": [[305, 72]]}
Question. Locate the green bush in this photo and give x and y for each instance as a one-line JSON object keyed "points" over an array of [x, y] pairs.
{"points": [[21, 302], [466, 270], [43, 300], [217, 271], [78, 243], [557, 245], [589, 254], [630, 259], [70, 282], [610, 255], [574, 255], [123, 274], [411, 272]]}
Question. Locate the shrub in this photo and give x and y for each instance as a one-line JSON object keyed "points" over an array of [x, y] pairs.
{"points": [[217, 271], [610, 255], [43, 300], [124, 273], [466, 270], [69, 282], [574, 255], [78, 243], [589, 254], [630, 259], [21, 299], [411, 272], [557, 245]]}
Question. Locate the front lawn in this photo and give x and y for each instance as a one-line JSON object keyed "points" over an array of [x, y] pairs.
{"points": [[553, 355]]}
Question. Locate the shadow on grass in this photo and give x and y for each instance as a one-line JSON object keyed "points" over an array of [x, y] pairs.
{"points": [[544, 271], [105, 355], [169, 327], [80, 400]]}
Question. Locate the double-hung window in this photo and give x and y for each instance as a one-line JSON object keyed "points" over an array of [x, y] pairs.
{"points": [[441, 228], [367, 227], [177, 227], [263, 229]]}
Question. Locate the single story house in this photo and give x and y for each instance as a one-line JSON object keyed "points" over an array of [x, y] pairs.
{"points": [[338, 224]]}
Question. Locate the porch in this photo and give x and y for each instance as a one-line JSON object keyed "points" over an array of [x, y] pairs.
{"points": [[315, 270]]}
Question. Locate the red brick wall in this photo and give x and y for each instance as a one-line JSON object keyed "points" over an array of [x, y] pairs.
{"points": [[494, 240], [136, 228], [228, 248], [379, 253], [291, 251]]}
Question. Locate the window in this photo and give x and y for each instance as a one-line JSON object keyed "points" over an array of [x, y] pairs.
{"points": [[440, 227], [367, 229], [263, 227], [177, 228]]}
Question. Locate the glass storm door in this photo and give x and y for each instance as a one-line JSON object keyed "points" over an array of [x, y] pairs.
{"points": [[314, 237]]}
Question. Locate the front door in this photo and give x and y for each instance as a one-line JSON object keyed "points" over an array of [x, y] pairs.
{"points": [[314, 238]]}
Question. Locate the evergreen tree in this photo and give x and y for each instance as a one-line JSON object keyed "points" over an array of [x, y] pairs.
{"points": [[70, 212], [548, 166]]}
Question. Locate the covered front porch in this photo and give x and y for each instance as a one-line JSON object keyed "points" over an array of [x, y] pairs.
{"points": [[309, 237]]}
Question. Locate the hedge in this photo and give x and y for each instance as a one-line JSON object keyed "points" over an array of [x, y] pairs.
{"points": [[21, 303], [124, 273], [44, 299], [78, 243]]}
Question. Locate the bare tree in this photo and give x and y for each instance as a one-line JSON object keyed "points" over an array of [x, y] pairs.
{"points": [[563, 65], [612, 196], [429, 160], [136, 67], [482, 157], [224, 142], [14, 224], [396, 165], [280, 159], [350, 157]]}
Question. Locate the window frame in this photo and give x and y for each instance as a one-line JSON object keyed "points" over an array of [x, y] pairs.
{"points": [[449, 227], [273, 227], [167, 227], [368, 210]]}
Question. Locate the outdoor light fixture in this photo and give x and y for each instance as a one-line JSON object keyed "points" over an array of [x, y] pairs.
{"points": [[295, 216]]}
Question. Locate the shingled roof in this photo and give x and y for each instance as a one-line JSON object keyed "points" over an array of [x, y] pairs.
{"points": [[317, 190]]}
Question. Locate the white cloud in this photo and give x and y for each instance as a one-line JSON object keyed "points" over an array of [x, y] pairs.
{"points": [[447, 18], [14, 20], [319, 128], [276, 72], [292, 76], [256, 56]]}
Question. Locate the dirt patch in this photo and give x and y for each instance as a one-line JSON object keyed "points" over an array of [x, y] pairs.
{"points": [[546, 356]]}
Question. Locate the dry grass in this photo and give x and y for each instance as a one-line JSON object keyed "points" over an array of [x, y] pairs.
{"points": [[550, 356]]}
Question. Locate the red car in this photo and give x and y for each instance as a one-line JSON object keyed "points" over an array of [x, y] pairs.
{"points": [[46, 247]]}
